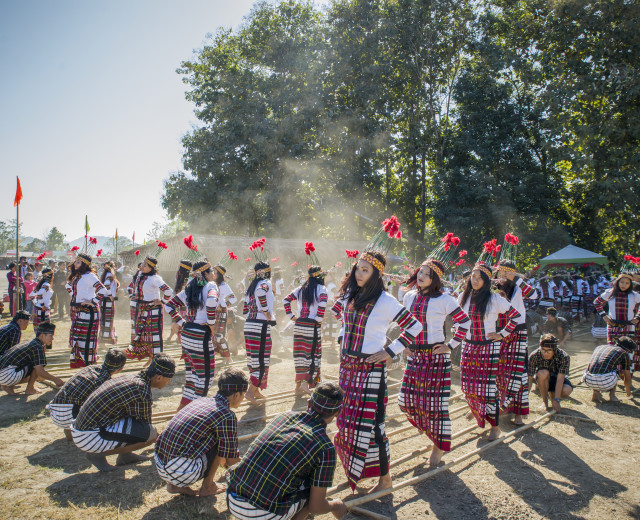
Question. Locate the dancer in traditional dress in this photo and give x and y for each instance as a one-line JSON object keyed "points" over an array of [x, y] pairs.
{"points": [[116, 418], [512, 379], [42, 298], [307, 336], [548, 291], [148, 289], [426, 385], [368, 311], [182, 277], [107, 315], [225, 298], [66, 404], [200, 298], [132, 298], [201, 438], [258, 306], [288, 468], [621, 319], [86, 292], [481, 348]]}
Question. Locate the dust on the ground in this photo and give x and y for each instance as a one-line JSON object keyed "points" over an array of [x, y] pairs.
{"points": [[563, 468]]}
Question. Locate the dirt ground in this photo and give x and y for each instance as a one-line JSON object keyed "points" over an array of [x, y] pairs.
{"points": [[561, 469]]}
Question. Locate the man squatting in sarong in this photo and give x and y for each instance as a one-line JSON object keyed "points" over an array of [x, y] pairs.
{"points": [[66, 404], [608, 363], [11, 333], [25, 362], [549, 368], [116, 418], [289, 466], [202, 437]]}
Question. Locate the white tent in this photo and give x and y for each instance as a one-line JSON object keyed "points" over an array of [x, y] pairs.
{"points": [[573, 255]]}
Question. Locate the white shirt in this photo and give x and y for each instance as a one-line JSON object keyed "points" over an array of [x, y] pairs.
{"points": [[210, 299], [313, 308], [634, 299], [497, 305], [517, 301], [225, 295], [87, 286], [151, 288], [437, 311], [43, 296]]}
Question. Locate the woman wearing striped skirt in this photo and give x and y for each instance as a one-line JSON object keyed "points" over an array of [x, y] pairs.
{"points": [[107, 315], [307, 336], [426, 385], [149, 287], [225, 298], [481, 348], [621, 318], [258, 306], [42, 298], [367, 312], [86, 292], [200, 298]]}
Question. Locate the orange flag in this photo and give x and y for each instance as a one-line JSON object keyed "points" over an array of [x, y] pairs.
{"points": [[18, 193]]}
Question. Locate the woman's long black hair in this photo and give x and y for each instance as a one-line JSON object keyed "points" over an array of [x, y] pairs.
{"points": [[182, 274], [254, 283], [616, 288], [46, 274], [76, 273], [219, 276], [308, 291], [193, 291], [508, 286], [361, 296], [479, 298], [433, 291]]}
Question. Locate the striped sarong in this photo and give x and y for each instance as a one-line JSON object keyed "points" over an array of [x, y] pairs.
{"points": [[40, 315], [576, 305], [589, 306], [63, 415], [478, 371], [361, 441], [602, 382], [181, 471], [257, 339], [512, 379], [121, 433], [307, 350], [107, 324], [132, 316], [83, 336], [220, 333], [199, 361], [147, 340], [424, 395], [243, 510], [11, 375]]}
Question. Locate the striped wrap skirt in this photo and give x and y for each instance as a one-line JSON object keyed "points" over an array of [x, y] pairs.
{"points": [[424, 394], [147, 339], [40, 315], [512, 378], [257, 339], [199, 361], [361, 441], [243, 510], [121, 433], [602, 382], [220, 333], [107, 323], [182, 471], [63, 414], [12, 375], [83, 337], [307, 350], [478, 371]]}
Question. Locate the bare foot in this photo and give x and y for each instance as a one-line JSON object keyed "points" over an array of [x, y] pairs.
{"points": [[517, 420], [175, 490], [250, 398], [469, 416], [32, 391], [67, 434], [130, 458], [259, 395], [384, 483], [436, 456], [9, 390], [613, 399], [213, 489], [596, 397], [494, 434], [100, 461], [543, 407], [304, 386]]}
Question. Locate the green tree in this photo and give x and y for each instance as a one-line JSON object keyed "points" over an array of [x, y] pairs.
{"points": [[54, 240]]}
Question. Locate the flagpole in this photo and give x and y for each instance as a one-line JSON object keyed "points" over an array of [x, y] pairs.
{"points": [[16, 300]]}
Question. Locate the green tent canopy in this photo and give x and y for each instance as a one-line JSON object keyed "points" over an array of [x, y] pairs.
{"points": [[573, 255]]}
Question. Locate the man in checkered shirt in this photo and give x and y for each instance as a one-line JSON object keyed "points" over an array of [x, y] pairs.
{"points": [[11, 333], [116, 418], [201, 437], [289, 466], [66, 404], [549, 367], [606, 364]]}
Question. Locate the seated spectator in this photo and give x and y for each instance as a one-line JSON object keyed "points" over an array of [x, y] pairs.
{"points": [[607, 363], [25, 362], [116, 418], [549, 367]]}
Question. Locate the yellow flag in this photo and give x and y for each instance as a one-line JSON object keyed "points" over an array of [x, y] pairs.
{"points": [[116, 237]]}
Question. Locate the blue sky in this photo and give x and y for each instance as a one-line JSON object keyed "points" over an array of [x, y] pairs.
{"points": [[92, 111]]}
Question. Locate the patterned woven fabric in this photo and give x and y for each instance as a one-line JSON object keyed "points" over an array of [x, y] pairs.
{"points": [[512, 379], [83, 336], [558, 364], [292, 454], [354, 323], [307, 350], [201, 426], [81, 385], [602, 382], [28, 354], [361, 441], [199, 361], [432, 312], [107, 324], [148, 331], [608, 358], [220, 333], [424, 395], [478, 372], [124, 396], [10, 335], [40, 315], [257, 339]]}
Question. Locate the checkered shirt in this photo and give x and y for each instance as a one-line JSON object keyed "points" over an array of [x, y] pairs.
{"points": [[558, 364], [81, 385], [125, 396], [200, 426], [10, 335], [291, 453], [25, 354], [608, 358]]}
